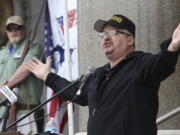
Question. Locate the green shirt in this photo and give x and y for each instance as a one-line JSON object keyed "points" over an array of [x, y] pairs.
{"points": [[31, 88]]}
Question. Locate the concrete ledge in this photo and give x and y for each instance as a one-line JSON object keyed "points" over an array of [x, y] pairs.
{"points": [[168, 132], [160, 132], [81, 133]]}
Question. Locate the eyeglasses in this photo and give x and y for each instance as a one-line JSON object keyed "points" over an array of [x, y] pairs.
{"points": [[11, 28], [112, 33]]}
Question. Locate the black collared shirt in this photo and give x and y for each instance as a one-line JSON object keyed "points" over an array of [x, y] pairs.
{"points": [[123, 100]]}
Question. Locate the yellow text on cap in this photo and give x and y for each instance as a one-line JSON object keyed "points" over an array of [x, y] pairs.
{"points": [[117, 19]]}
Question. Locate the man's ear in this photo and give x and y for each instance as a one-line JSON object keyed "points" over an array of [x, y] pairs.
{"points": [[131, 41]]}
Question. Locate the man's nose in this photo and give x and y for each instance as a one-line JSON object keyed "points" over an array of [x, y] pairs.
{"points": [[106, 36], [13, 30]]}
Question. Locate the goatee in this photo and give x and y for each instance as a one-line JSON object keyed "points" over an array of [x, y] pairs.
{"points": [[15, 40]]}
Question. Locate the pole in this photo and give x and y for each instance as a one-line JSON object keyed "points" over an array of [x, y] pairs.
{"points": [[68, 62], [168, 116]]}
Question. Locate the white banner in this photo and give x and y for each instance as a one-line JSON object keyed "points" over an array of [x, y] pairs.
{"points": [[55, 46]]}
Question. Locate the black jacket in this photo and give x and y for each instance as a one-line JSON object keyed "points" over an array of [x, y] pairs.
{"points": [[122, 100]]}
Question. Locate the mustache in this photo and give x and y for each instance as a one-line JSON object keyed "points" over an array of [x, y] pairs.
{"points": [[107, 42], [14, 35]]}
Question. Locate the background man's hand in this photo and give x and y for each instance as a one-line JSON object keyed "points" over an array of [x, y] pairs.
{"points": [[3, 83]]}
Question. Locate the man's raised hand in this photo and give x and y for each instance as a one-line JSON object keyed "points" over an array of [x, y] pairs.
{"points": [[39, 69]]}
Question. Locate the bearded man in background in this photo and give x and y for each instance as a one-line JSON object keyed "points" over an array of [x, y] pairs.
{"points": [[14, 73]]}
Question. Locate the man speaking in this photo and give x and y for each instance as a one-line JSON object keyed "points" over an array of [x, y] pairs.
{"points": [[122, 95]]}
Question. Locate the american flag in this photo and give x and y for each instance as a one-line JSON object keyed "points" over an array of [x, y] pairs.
{"points": [[50, 50], [54, 37], [60, 21]]}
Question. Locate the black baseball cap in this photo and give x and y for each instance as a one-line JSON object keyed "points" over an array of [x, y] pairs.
{"points": [[119, 21]]}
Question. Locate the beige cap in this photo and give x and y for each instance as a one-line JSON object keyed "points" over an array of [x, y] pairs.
{"points": [[15, 20]]}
